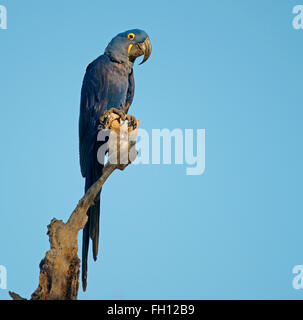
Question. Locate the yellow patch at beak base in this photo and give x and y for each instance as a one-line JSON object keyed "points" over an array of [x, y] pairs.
{"points": [[130, 47]]}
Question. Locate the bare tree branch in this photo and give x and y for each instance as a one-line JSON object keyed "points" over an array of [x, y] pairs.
{"points": [[60, 268]]}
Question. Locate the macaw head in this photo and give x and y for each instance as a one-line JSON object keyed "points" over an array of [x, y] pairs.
{"points": [[129, 45]]}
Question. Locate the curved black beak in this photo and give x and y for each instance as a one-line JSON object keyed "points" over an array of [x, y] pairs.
{"points": [[146, 48], [140, 49]]}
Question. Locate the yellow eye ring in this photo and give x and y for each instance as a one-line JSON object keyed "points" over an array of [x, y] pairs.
{"points": [[131, 36]]}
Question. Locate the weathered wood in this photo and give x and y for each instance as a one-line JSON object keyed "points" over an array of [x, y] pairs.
{"points": [[60, 268]]}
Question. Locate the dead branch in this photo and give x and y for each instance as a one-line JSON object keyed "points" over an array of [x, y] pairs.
{"points": [[60, 268]]}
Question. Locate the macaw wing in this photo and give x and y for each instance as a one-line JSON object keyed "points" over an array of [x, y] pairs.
{"points": [[130, 91], [92, 106]]}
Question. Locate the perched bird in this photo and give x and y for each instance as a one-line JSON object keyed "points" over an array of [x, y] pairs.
{"points": [[108, 83]]}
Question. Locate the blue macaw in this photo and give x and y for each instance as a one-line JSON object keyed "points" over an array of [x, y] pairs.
{"points": [[108, 83]]}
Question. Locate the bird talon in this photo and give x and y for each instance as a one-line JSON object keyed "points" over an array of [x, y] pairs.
{"points": [[132, 121], [105, 119], [119, 112]]}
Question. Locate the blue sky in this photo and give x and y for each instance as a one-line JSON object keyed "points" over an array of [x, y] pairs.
{"points": [[233, 68]]}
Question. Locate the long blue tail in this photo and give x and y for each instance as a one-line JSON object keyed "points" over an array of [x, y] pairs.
{"points": [[91, 229]]}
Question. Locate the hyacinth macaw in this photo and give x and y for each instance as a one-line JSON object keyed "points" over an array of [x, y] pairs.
{"points": [[108, 83]]}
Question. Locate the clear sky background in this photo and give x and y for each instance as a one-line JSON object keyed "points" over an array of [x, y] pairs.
{"points": [[232, 67]]}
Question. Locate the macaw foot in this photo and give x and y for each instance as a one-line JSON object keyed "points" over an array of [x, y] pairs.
{"points": [[132, 121], [119, 112], [105, 119]]}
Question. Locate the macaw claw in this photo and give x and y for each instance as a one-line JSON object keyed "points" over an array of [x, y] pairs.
{"points": [[107, 117], [132, 121]]}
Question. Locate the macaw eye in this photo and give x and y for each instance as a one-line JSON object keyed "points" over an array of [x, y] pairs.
{"points": [[131, 36]]}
